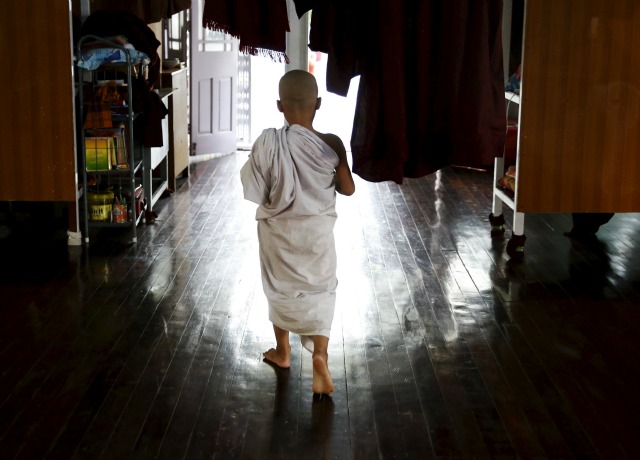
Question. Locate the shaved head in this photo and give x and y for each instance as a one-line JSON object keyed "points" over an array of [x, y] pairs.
{"points": [[298, 89]]}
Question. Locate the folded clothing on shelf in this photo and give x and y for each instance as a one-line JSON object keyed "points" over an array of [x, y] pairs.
{"points": [[94, 58]]}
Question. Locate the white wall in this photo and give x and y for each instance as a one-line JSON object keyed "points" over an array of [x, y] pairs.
{"points": [[265, 75]]}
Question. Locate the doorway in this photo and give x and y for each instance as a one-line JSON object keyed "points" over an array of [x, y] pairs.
{"points": [[252, 104], [214, 82]]}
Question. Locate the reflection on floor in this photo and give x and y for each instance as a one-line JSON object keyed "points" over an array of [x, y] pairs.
{"points": [[441, 346]]}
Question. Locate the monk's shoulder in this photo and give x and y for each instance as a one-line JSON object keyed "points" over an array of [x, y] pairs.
{"points": [[332, 141]]}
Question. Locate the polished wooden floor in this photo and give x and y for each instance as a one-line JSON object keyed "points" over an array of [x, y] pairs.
{"points": [[441, 346]]}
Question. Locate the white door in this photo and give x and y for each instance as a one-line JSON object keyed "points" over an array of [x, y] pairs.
{"points": [[214, 67]]}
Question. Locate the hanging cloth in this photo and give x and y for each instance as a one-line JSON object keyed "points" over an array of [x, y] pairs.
{"points": [[149, 11], [431, 90], [343, 30], [261, 25]]}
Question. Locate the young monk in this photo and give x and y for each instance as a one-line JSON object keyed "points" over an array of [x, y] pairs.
{"points": [[293, 174]]}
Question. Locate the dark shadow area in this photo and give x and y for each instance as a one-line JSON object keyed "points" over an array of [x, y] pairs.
{"points": [[33, 242], [319, 434], [589, 268]]}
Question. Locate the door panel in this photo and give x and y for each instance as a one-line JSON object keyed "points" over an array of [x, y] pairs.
{"points": [[205, 107], [225, 95], [214, 63]]}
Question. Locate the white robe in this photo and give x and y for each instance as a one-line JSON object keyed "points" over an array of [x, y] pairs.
{"points": [[290, 174]]}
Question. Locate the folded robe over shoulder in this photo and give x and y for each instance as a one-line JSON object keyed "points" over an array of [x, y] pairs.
{"points": [[290, 175]]}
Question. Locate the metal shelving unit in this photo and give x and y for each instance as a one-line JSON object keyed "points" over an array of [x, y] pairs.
{"points": [[123, 177]]}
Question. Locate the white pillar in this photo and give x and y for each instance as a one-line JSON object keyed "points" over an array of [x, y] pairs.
{"points": [[297, 39]]}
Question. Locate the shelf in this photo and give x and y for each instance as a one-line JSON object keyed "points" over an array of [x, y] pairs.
{"points": [[165, 92], [127, 224], [124, 148], [132, 205], [158, 186], [506, 199], [176, 79], [123, 117], [512, 97], [156, 161], [117, 171]]}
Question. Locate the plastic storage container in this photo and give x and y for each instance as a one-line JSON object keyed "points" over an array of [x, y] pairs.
{"points": [[100, 206]]}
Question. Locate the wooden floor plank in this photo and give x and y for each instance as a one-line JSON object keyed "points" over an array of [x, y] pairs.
{"points": [[442, 347], [168, 328]]}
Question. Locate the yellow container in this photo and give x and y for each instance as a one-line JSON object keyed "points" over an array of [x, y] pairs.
{"points": [[100, 206]]}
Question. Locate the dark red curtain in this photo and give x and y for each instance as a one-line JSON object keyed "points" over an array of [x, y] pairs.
{"points": [[431, 90], [261, 25]]}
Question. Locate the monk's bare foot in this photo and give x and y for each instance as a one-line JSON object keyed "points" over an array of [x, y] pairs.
{"points": [[322, 382], [279, 358]]}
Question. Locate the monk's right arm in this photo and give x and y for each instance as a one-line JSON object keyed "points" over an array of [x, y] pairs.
{"points": [[344, 180]]}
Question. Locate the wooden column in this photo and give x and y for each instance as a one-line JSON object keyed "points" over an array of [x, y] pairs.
{"points": [[37, 126]]}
